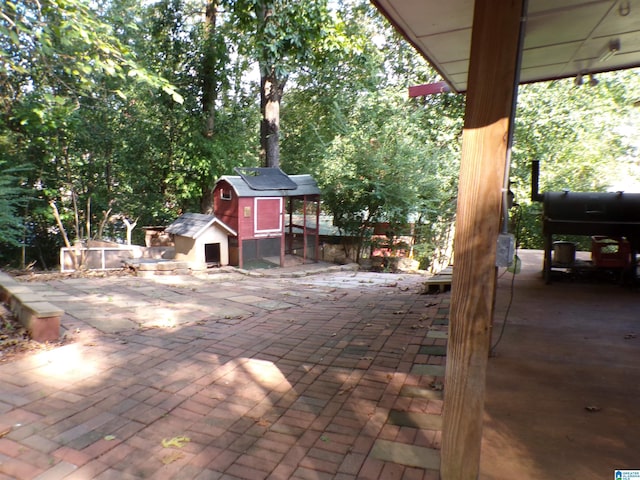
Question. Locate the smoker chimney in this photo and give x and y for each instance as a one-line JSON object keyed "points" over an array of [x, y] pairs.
{"points": [[536, 196]]}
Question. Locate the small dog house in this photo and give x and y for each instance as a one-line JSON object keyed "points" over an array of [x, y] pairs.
{"points": [[201, 238], [255, 204]]}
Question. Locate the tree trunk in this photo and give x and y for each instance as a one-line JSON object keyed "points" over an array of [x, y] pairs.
{"points": [[88, 217], [206, 199], [270, 95], [209, 72], [105, 218], [210, 86], [130, 226], [271, 89], [74, 196], [63, 232]]}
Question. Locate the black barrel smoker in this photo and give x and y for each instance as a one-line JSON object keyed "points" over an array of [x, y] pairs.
{"points": [[613, 215]]}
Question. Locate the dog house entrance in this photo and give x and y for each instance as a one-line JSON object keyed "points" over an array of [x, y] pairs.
{"points": [[212, 253]]}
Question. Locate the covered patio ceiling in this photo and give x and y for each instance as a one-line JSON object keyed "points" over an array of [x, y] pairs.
{"points": [[563, 38]]}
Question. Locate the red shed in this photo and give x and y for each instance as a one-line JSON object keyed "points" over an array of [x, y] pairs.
{"points": [[255, 204]]}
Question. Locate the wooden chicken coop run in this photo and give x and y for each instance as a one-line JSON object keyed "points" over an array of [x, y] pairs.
{"points": [[259, 204]]}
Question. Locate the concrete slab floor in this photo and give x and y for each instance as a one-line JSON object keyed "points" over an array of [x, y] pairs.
{"points": [[563, 389]]}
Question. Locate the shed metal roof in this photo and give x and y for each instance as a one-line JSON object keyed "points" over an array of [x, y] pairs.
{"points": [[192, 225], [304, 185], [266, 178]]}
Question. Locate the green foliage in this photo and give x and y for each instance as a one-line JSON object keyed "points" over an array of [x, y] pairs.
{"points": [[385, 168], [101, 133], [582, 136], [12, 199], [379, 155], [282, 34], [64, 45]]}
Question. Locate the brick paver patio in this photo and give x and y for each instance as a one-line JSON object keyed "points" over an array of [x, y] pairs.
{"points": [[335, 375]]}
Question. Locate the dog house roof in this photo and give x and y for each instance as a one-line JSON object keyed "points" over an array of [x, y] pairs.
{"points": [[192, 225], [270, 182]]}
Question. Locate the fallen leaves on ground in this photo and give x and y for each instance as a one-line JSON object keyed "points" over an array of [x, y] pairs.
{"points": [[177, 442], [262, 422], [15, 341], [437, 386], [172, 457], [32, 276]]}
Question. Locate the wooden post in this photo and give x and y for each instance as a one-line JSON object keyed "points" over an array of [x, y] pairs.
{"points": [[317, 244], [290, 244], [283, 231], [490, 93], [304, 229]]}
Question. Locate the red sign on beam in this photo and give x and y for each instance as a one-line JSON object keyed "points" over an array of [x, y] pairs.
{"points": [[428, 89]]}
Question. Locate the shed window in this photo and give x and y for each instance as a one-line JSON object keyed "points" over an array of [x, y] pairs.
{"points": [[267, 215], [225, 193]]}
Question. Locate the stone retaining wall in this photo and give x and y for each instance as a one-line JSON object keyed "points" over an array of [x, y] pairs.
{"points": [[40, 318]]}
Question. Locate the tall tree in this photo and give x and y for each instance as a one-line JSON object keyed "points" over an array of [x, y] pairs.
{"points": [[209, 70], [285, 33]]}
